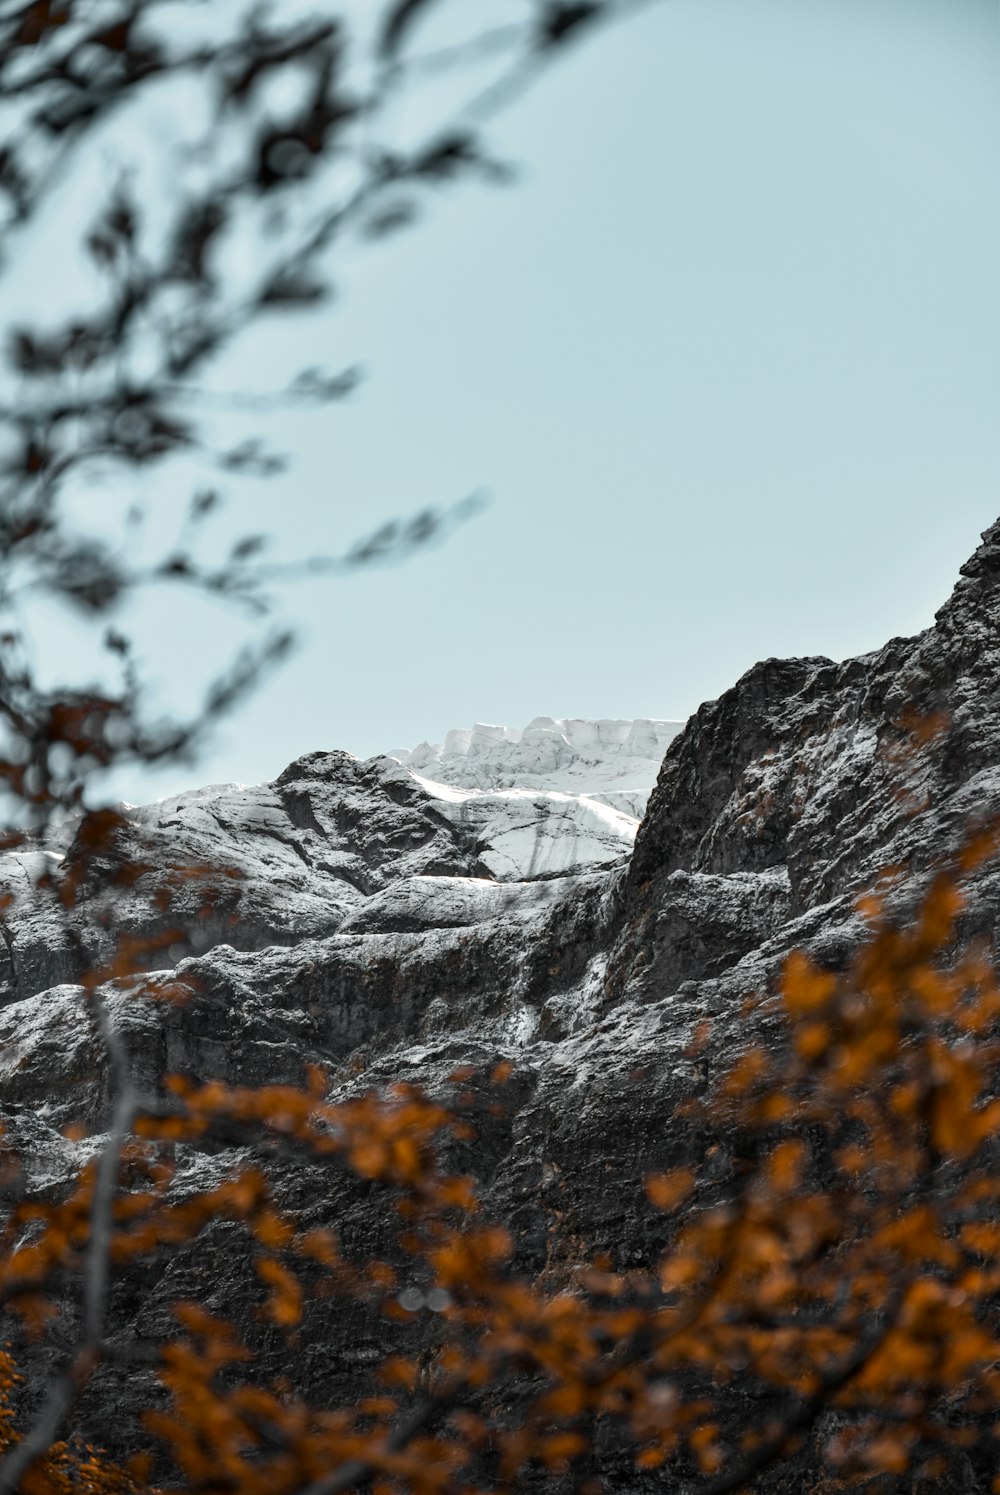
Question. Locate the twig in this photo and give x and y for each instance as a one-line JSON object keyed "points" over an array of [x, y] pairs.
{"points": [[356, 1470], [64, 1389], [808, 1411]]}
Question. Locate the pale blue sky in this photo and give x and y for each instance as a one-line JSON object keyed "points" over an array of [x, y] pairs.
{"points": [[727, 357]]}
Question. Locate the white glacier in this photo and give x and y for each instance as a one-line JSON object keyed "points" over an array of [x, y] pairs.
{"points": [[560, 795], [612, 762]]}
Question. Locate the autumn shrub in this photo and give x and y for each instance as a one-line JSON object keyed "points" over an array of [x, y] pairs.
{"points": [[827, 1298]]}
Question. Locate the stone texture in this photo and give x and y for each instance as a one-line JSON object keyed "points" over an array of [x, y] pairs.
{"points": [[357, 921]]}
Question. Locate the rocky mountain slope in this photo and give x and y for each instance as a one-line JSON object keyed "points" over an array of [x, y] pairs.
{"points": [[389, 924]]}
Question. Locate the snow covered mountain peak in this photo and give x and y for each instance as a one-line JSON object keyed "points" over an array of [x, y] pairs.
{"points": [[613, 762]]}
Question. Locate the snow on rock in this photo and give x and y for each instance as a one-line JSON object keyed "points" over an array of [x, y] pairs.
{"points": [[522, 834], [416, 904], [334, 841], [561, 795], [612, 762], [401, 918]]}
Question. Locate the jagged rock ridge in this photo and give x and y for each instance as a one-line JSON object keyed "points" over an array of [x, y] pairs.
{"points": [[366, 928]]}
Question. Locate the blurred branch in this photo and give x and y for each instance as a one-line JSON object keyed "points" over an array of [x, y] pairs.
{"points": [[122, 382]]}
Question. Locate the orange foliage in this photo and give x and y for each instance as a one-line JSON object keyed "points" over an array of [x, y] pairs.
{"points": [[842, 1254]]}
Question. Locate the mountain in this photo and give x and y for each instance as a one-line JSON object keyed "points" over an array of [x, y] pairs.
{"points": [[392, 919], [613, 762]]}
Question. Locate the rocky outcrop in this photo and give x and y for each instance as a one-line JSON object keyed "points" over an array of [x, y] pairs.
{"points": [[368, 917], [819, 777]]}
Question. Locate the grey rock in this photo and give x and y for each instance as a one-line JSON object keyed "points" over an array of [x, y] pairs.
{"points": [[359, 920]]}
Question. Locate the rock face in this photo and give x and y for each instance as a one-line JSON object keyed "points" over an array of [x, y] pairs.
{"points": [[393, 919]]}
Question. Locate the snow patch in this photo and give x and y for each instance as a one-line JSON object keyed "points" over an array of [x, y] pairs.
{"points": [[610, 761]]}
